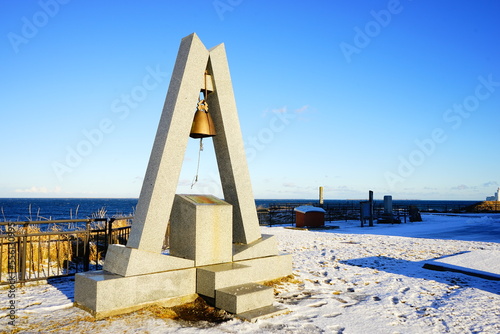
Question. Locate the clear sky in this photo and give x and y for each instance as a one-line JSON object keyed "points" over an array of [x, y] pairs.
{"points": [[398, 97]]}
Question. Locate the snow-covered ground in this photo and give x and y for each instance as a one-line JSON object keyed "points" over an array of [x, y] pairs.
{"points": [[347, 280]]}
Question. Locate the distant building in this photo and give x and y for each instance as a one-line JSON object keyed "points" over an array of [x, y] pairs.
{"points": [[495, 197]]}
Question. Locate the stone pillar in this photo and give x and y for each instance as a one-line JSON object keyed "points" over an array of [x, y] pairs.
{"points": [[165, 163], [388, 204], [230, 151]]}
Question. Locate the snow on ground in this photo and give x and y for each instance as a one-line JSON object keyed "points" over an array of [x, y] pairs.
{"points": [[347, 280]]}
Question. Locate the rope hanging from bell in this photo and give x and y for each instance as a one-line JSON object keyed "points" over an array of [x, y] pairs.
{"points": [[198, 166]]}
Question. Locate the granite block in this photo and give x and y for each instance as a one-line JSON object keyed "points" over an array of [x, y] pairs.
{"points": [[268, 268], [243, 298], [104, 294], [126, 261], [201, 229], [262, 313], [211, 278], [265, 246]]}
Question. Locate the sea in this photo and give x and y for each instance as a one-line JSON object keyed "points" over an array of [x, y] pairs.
{"points": [[38, 209]]}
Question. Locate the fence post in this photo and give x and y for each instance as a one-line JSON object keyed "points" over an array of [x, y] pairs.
{"points": [[109, 226], [22, 254], [19, 257], [86, 247]]}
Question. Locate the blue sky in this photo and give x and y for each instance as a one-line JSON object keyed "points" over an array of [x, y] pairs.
{"points": [[398, 97]]}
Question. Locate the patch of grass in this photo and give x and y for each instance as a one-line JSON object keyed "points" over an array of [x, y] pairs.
{"points": [[276, 284], [193, 312], [280, 281]]}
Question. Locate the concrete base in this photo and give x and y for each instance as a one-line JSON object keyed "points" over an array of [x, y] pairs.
{"points": [[268, 268], [104, 294], [168, 302], [215, 277], [265, 246], [126, 261], [243, 298]]}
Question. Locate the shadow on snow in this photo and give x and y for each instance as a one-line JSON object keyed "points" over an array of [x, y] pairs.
{"points": [[416, 270]]}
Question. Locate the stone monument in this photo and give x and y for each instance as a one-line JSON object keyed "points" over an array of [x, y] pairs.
{"points": [[216, 248]]}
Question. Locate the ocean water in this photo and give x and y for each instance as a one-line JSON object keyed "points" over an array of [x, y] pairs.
{"points": [[22, 209], [37, 209]]}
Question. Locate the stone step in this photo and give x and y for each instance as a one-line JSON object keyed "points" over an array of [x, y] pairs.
{"points": [[219, 276], [243, 298], [262, 313], [211, 278]]}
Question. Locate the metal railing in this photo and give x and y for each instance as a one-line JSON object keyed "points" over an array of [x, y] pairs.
{"points": [[283, 213], [37, 250], [280, 214]]}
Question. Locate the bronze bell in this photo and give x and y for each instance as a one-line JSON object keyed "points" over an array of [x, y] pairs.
{"points": [[203, 126]]}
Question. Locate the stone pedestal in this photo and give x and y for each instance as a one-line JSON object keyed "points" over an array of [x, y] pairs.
{"points": [[201, 229]]}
